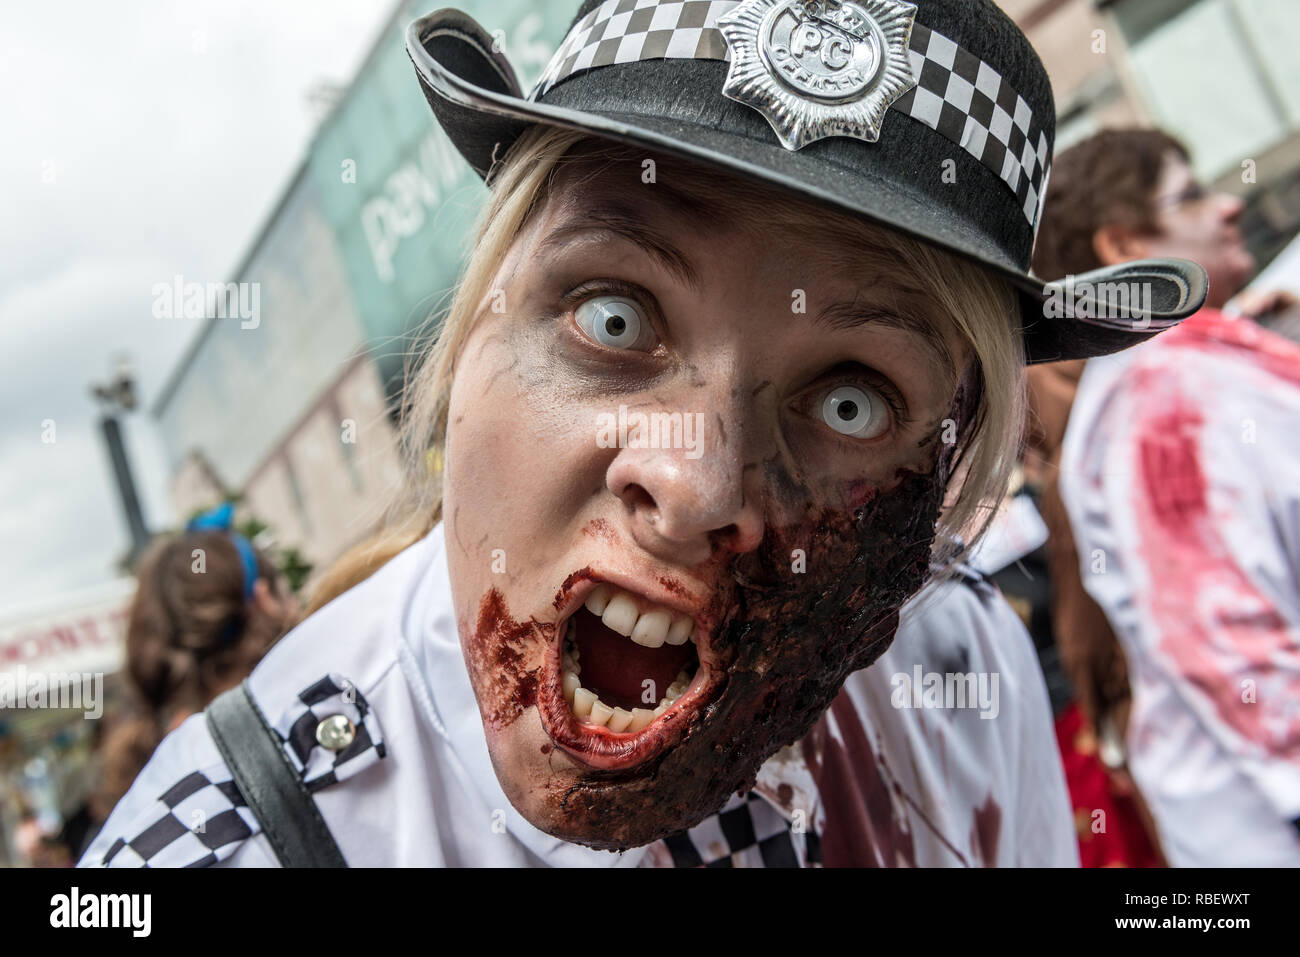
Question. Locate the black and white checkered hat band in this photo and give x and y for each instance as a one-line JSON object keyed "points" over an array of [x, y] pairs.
{"points": [[956, 94]]}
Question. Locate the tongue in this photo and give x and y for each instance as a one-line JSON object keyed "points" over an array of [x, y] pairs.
{"points": [[615, 667]]}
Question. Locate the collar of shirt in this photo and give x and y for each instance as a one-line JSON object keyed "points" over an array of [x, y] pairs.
{"points": [[431, 656]]}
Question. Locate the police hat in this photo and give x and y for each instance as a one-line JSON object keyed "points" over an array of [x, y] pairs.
{"points": [[934, 118]]}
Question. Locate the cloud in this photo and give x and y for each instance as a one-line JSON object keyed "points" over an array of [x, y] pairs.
{"points": [[59, 507]]}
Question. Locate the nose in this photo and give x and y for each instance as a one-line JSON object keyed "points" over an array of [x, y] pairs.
{"points": [[1230, 207], [684, 500]]}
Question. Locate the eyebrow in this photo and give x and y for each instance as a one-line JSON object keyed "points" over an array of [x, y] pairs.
{"points": [[633, 229], [849, 315]]}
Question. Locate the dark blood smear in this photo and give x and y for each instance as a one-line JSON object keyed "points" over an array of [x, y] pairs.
{"points": [[864, 828], [615, 667], [985, 830], [784, 646], [496, 654]]}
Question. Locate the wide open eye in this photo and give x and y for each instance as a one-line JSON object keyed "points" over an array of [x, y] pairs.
{"points": [[855, 411], [617, 322]]}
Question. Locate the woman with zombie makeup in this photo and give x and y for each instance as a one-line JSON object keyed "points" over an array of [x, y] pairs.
{"points": [[734, 367]]}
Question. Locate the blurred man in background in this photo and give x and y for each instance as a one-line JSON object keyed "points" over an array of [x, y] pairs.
{"points": [[1181, 481]]}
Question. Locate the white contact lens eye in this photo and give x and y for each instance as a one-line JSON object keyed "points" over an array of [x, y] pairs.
{"points": [[615, 321], [854, 411]]}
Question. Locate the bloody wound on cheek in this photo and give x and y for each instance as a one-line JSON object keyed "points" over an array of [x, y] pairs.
{"points": [[498, 652]]}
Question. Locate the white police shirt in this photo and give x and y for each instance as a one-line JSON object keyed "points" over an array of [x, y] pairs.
{"points": [[417, 788], [960, 732]]}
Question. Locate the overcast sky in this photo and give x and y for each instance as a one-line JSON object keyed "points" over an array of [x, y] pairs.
{"points": [[140, 140]]}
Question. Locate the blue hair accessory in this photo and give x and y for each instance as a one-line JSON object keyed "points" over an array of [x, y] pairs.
{"points": [[221, 519]]}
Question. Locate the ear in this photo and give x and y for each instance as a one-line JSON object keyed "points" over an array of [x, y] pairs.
{"points": [[1118, 244], [264, 600]]}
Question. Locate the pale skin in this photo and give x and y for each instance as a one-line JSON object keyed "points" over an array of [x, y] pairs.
{"points": [[527, 483]]}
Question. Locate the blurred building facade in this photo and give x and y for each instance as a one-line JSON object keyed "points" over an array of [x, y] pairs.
{"points": [[54, 654], [1222, 75]]}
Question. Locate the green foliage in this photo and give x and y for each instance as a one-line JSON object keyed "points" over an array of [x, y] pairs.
{"points": [[294, 568]]}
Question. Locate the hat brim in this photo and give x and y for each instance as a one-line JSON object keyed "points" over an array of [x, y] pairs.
{"points": [[476, 98]]}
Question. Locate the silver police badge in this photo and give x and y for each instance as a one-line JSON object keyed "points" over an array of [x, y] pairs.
{"points": [[818, 68]]}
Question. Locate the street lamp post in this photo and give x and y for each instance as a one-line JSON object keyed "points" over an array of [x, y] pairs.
{"points": [[117, 397]]}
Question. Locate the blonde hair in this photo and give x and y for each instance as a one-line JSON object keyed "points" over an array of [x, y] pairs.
{"points": [[982, 308]]}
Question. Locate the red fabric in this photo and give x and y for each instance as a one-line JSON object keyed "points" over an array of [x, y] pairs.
{"points": [[1107, 821]]}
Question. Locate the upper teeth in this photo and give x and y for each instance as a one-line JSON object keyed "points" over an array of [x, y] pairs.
{"points": [[621, 612]]}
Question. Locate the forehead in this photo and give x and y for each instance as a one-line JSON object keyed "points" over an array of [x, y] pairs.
{"points": [[690, 203]]}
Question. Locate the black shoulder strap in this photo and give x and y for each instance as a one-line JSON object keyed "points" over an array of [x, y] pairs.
{"points": [[274, 791]]}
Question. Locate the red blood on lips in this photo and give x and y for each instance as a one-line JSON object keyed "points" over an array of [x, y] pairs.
{"points": [[616, 667]]}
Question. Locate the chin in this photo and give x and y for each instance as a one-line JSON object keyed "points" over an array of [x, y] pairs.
{"points": [[1236, 272], [619, 679]]}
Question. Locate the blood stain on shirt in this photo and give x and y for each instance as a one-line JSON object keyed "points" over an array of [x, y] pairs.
{"points": [[1213, 626], [985, 830], [864, 828]]}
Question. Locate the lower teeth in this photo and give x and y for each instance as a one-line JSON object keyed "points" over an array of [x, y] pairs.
{"points": [[586, 704]]}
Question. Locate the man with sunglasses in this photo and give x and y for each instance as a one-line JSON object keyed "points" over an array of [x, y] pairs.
{"points": [[1181, 478]]}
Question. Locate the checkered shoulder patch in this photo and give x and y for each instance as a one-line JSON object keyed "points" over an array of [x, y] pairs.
{"points": [[198, 821], [202, 819], [297, 727]]}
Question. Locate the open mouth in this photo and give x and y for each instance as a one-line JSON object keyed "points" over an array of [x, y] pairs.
{"points": [[638, 660], [630, 677]]}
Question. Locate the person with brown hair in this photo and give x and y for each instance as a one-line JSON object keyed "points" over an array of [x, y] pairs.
{"points": [[725, 383], [1106, 204], [207, 607], [1177, 477]]}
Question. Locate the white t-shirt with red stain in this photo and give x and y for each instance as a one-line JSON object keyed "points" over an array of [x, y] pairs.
{"points": [[1181, 475]]}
